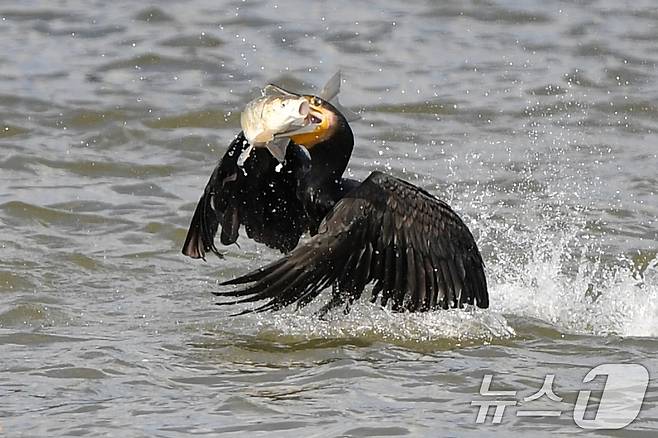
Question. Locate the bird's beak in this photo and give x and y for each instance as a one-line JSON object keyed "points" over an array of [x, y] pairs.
{"points": [[320, 124]]}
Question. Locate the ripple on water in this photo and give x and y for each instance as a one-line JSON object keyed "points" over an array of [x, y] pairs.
{"points": [[27, 339], [85, 119], [14, 282], [154, 62], [84, 261], [491, 14], [200, 40], [71, 372], [109, 168], [153, 15], [210, 118], [435, 107], [7, 130], [50, 216], [24, 315], [38, 15], [143, 189]]}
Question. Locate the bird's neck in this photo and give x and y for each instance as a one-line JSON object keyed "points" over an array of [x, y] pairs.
{"points": [[324, 181], [329, 159]]}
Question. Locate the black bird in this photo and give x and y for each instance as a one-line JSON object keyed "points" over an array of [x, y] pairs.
{"points": [[414, 247]]}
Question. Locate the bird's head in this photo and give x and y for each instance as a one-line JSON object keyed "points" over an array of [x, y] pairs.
{"points": [[325, 133], [324, 123]]}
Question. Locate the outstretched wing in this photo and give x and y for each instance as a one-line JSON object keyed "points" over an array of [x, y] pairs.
{"points": [[257, 194], [415, 248]]}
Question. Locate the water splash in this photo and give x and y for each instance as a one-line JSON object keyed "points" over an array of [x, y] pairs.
{"points": [[565, 278], [374, 323], [596, 300]]}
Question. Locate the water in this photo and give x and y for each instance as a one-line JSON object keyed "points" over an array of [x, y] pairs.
{"points": [[536, 120]]}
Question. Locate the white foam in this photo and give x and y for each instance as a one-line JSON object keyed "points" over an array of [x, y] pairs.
{"points": [[366, 320], [576, 293]]}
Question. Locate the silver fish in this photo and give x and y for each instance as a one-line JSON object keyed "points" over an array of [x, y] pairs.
{"points": [[267, 116], [270, 120]]}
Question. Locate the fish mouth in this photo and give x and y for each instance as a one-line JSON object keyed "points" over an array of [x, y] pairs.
{"points": [[310, 124], [320, 124]]}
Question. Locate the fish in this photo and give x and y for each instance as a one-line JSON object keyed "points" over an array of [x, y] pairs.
{"points": [[267, 116], [271, 119], [268, 121]]}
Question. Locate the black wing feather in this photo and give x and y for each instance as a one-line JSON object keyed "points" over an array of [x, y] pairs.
{"points": [[256, 195], [413, 246]]}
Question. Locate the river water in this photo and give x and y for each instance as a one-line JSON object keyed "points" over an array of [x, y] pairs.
{"points": [[536, 120]]}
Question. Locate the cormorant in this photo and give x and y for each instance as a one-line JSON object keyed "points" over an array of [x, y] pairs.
{"points": [[414, 247]]}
